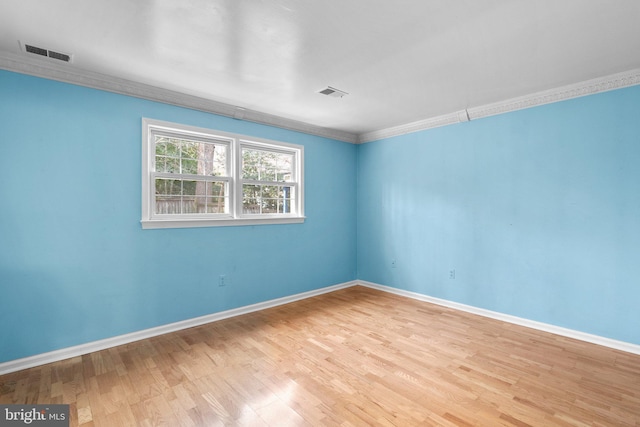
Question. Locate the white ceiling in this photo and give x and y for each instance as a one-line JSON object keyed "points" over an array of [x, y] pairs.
{"points": [[400, 61]]}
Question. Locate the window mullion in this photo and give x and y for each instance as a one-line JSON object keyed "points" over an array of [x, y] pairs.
{"points": [[237, 175], [190, 177], [273, 183]]}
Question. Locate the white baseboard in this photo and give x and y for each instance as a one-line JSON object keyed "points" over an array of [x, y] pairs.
{"points": [[569, 333], [79, 350]]}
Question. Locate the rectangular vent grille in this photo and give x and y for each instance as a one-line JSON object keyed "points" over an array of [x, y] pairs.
{"points": [[36, 50], [49, 53], [333, 92], [60, 56]]}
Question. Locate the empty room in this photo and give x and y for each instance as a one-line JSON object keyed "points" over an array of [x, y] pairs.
{"points": [[320, 213]]}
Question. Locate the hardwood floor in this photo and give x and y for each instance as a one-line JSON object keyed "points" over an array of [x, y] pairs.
{"points": [[353, 357]]}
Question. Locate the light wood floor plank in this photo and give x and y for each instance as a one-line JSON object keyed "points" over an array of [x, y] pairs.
{"points": [[353, 357]]}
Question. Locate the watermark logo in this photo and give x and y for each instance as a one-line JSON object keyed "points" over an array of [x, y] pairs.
{"points": [[34, 415]]}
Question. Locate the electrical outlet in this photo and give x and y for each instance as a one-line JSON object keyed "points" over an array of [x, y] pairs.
{"points": [[393, 263], [223, 280], [452, 274]]}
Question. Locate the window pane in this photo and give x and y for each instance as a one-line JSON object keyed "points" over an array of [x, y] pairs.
{"points": [[174, 196], [250, 164], [190, 149], [189, 187], [284, 168], [209, 205], [269, 206], [270, 190], [250, 199], [267, 199], [173, 146], [214, 161], [161, 146], [288, 199], [167, 164], [216, 189], [189, 166], [262, 165], [168, 186], [168, 204], [191, 157]]}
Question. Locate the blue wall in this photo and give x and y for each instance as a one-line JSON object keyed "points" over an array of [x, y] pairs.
{"points": [[538, 212], [75, 265]]}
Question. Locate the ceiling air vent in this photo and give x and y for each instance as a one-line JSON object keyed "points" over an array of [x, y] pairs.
{"points": [[60, 56], [37, 50], [333, 92], [29, 48]]}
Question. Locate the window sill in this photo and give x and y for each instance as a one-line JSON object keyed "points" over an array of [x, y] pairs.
{"points": [[222, 222]]}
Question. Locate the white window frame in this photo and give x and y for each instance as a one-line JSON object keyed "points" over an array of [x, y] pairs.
{"points": [[234, 215]]}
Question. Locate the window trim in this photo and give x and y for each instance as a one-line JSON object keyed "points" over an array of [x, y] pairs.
{"points": [[234, 217]]}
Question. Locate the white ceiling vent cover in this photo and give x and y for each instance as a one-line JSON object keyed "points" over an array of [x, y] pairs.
{"points": [[41, 51], [333, 92]]}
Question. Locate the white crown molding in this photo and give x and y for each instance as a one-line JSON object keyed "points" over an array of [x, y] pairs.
{"points": [[545, 327], [79, 350], [430, 123], [588, 87], [67, 73]]}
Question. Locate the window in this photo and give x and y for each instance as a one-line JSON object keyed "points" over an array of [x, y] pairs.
{"points": [[194, 177]]}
